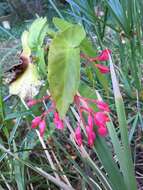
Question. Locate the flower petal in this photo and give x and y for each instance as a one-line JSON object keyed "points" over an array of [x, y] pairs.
{"points": [[103, 69], [104, 56]]}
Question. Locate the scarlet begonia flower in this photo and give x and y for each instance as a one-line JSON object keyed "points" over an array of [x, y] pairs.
{"points": [[57, 121], [102, 131], [78, 136], [42, 127], [60, 125], [102, 106], [100, 119], [104, 56], [90, 121], [35, 122], [103, 69]]}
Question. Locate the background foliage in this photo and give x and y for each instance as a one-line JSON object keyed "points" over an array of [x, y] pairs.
{"points": [[28, 162]]}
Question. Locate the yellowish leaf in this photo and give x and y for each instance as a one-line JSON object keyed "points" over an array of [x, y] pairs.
{"points": [[27, 85]]}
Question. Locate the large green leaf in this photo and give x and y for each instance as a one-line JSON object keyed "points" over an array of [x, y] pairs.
{"points": [[64, 66]]}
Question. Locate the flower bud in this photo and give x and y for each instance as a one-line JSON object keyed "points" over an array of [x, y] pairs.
{"points": [[42, 127], [102, 131], [104, 56], [90, 135], [35, 122], [100, 119], [90, 121], [103, 69], [78, 136], [57, 121], [60, 124], [102, 106]]}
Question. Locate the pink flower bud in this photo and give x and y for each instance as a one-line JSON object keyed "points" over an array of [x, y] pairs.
{"points": [[102, 105], [42, 127], [56, 116], [100, 119], [31, 103], [57, 121], [90, 121], [35, 122], [103, 69], [60, 125], [90, 135], [78, 136], [102, 131]]}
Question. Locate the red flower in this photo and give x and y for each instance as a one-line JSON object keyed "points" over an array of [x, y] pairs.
{"points": [[102, 106], [60, 125], [57, 121], [104, 56], [90, 121], [42, 127], [102, 131], [90, 135], [35, 122], [78, 136], [103, 69], [100, 119]]}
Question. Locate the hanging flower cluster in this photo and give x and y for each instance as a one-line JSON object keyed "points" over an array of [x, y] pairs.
{"points": [[40, 121], [104, 56], [95, 122]]}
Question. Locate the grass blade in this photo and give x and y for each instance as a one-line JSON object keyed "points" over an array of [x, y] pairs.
{"points": [[129, 175]]}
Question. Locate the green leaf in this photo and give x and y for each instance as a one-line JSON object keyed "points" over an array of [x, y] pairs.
{"points": [[64, 67], [87, 47], [110, 166], [61, 24], [129, 172], [87, 91], [41, 61], [24, 40], [37, 33]]}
